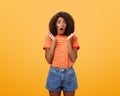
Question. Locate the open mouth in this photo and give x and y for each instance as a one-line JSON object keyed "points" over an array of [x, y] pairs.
{"points": [[61, 28]]}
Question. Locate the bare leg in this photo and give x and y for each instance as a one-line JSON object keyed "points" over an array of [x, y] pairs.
{"points": [[52, 93], [69, 93]]}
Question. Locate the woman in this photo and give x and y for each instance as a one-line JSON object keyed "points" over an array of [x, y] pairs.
{"points": [[61, 47]]}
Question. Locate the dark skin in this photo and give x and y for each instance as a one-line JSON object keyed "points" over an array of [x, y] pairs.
{"points": [[49, 55], [71, 52], [59, 93], [52, 93]]}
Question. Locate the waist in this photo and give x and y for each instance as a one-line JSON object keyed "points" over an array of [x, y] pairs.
{"points": [[61, 69]]}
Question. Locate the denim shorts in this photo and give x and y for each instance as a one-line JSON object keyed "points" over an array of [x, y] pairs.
{"points": [[61, 79]]}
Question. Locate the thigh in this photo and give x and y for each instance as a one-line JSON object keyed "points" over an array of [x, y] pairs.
{"points": [[69, 93], [53, 93]]}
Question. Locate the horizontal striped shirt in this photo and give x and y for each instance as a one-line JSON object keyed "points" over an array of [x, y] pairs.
{"points": [[61, 58]]}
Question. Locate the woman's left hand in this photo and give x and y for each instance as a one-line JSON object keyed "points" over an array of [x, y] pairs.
{"points": [[71, 35]]}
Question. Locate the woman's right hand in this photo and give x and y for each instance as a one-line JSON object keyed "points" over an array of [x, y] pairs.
{"points": [[50, 52], [52, 37]]}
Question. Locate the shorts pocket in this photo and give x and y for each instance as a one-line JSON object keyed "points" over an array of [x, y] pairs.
{"points": [[71, 74], [53, 74]]}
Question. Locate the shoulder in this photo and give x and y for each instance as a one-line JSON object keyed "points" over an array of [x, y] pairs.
{"points": [[47, 38]]}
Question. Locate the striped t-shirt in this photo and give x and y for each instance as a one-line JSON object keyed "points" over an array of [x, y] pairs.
{"points": [[61, 58]]}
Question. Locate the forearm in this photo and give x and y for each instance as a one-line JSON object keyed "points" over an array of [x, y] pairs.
{"points": [[50, 53], [71, 52]]}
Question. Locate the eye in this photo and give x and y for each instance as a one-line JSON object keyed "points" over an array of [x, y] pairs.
{"points": [[58, 21], [64, 22]]}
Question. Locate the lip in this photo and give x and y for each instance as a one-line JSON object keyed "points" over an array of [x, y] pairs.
{"points": [[61, 28]]}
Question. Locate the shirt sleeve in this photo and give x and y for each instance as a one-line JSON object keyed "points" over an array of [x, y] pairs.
{"points": [[75, 43], [47, 43]]}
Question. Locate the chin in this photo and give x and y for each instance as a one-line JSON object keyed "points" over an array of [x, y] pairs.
{"points": [[61, 33]]}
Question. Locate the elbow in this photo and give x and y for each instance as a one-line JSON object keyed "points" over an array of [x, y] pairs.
{"points": [[74, 59], [48, 60]]}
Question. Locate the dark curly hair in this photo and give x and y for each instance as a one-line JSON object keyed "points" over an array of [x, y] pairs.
{"points": [[68, 19]]}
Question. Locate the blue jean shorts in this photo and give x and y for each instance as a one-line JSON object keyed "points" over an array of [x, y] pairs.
{"points": [[61, 79]]}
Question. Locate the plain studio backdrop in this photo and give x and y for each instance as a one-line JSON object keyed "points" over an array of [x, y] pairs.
{"points": [[23, 25]]}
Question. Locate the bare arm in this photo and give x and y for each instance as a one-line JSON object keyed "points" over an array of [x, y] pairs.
{"points": [[71, 52], [49, 53]]}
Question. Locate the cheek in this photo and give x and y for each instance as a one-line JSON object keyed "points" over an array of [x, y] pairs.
{"points": [[65, 27], [57, 25]]}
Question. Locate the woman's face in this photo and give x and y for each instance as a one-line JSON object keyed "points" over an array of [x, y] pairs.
{"points": [[61, 26]]}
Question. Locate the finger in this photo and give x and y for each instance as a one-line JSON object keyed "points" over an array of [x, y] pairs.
{"points": [[47, 32], [74, 32], [49, 35], [52, 36]]}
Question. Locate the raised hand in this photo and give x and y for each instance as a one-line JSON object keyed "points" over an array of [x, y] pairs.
{"points": [[51, 36], [71, 35]]}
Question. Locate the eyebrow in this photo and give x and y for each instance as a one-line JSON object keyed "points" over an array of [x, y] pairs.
{"points": [[60, 20]]}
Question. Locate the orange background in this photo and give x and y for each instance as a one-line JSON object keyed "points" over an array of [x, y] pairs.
{"points": [[23, 68]]}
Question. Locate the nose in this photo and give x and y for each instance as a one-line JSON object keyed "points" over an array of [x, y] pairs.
{"points": [[61, 24]]}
